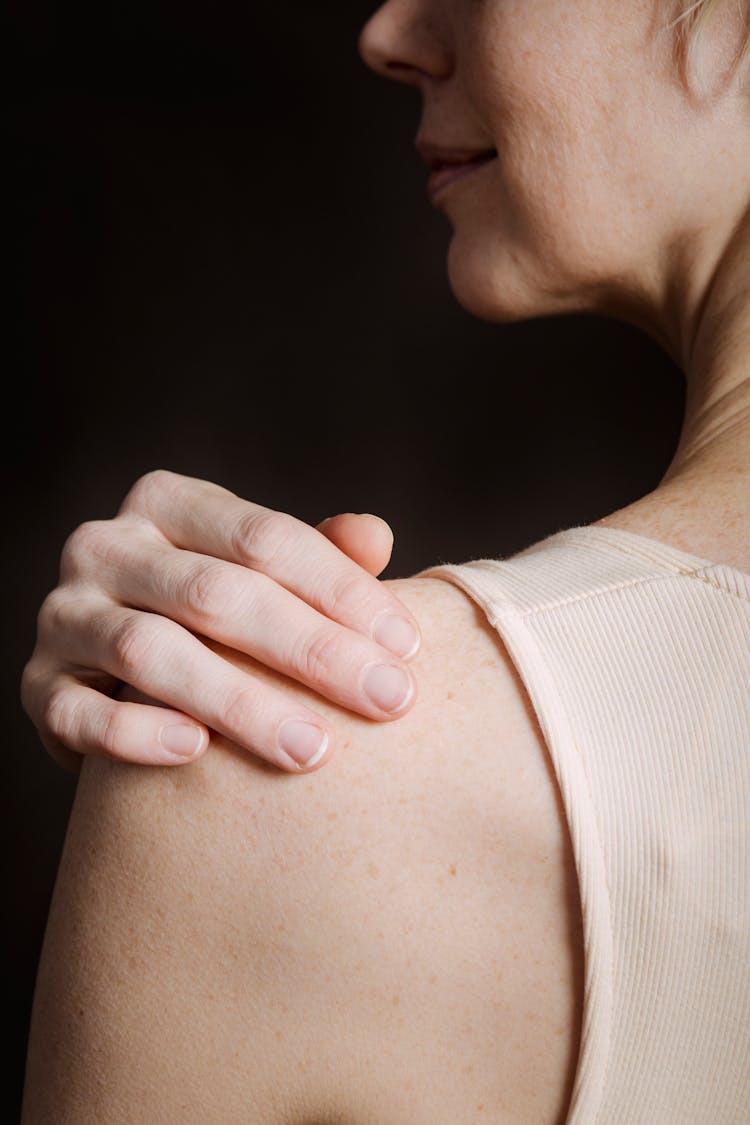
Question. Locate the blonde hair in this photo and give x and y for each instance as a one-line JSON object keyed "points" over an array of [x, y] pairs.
{"points": [[691, 23]]}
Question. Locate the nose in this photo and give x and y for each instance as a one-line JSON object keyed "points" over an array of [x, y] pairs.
{"points": [[403, 41]]}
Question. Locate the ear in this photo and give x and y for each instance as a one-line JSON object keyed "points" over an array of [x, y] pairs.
{"points": [[711, 47]]}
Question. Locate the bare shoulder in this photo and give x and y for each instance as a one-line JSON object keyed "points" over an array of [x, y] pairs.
{"points": [[392, 939]]}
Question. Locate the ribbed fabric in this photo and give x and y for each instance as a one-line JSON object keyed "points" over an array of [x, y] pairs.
{"points": [[636, 658]]}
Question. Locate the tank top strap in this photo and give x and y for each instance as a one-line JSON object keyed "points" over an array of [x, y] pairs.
{"points": [[636, 660]]}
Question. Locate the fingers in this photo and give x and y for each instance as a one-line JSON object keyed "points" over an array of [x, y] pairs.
{"points": [[243, 609], [302, 601], [365, 538], [204, 518], [155, 654], [81, 719], [77, 721], [166, 662]]}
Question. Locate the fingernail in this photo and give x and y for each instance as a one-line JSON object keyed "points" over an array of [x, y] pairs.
{"points": [[395, 633], [388, 687], [304, 742], [182, 739]]}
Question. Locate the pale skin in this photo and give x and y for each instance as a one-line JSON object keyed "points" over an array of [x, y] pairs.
{"points": [[397, 937], [257, 580]]}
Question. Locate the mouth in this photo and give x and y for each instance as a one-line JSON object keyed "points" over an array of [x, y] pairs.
{"points": [[449, 167]]}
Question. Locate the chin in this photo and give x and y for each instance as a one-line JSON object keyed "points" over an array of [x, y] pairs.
{"points": [[499, 288], [496, 291]]}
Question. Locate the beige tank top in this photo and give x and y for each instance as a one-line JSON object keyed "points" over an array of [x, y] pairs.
{"points": [[636, 658]]}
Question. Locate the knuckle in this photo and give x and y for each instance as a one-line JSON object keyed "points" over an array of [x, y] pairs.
{"points": [[241, 709], [260, 538], [52, 612], [321, 656], [30, 677], [90, 540], [110, 731], [149, 488], [135, 648], [58, 713], [348, 594], [209, 593]]}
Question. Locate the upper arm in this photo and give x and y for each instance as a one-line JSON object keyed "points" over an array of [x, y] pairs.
{"points": [[389, 939]]}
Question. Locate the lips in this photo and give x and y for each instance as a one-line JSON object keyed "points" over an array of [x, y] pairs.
{"points": [[450, 164]]}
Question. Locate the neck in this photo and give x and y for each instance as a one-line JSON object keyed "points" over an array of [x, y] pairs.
{"points": [[716, 362], [702, 504]]}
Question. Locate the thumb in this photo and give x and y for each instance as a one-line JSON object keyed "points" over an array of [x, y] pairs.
{"points": [[366, 539]]}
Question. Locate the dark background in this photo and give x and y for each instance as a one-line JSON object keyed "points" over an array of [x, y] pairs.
{"points": [[221, 259]]}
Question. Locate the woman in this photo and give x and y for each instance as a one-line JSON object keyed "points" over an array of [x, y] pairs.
{"points": [[527, 899]]}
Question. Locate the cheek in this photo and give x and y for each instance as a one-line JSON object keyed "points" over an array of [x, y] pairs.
{"points": [[533, 107], [545, 229], [526, 235]]}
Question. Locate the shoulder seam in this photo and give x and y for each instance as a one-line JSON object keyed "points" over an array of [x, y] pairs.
{"points": [[710, 580], [571, 599]]}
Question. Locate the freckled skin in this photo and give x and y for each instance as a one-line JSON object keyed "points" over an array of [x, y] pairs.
{"points": [[613, 191], [616, 188], [557, 223], [385, 963]]}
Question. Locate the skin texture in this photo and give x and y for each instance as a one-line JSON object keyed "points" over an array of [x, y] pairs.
{"points": [[228, 943], [392, 940], [185, 559], [621, 188]]}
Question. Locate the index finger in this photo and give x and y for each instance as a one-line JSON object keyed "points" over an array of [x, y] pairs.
{"points": [[203, 517]]}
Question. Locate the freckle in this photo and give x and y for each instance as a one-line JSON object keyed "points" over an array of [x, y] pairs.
{"points": [[347, 744], [133, 964], [80, 1011], [396, 1001], [452, 869], [332, 816], [373, 870], [451, 695], [279, 1035], [433, 978]]}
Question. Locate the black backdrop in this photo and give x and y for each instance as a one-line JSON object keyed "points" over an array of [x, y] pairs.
{"points": [[222, 260]]}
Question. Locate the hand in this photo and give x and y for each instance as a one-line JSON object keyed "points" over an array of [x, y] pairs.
{"points": [[185, 557]]}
